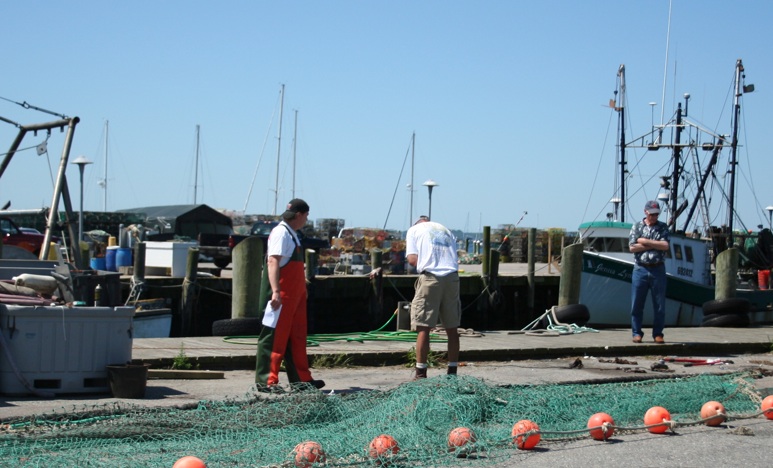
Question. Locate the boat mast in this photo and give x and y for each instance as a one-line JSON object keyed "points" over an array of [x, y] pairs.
{"points": [[295, 141], [734, 148], [413, 147], [196, 171], [279, 147], [104, 181], [677, 167], [620, 107]]}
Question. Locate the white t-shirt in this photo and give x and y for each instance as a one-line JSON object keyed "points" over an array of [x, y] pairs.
{"points": [[282, 241], [435, 247]]}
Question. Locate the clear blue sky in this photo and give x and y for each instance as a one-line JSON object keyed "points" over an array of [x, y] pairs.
{"points": [[507, 100]]}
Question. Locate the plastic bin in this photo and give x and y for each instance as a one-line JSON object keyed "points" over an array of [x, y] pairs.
{"points": [[63, 350]]}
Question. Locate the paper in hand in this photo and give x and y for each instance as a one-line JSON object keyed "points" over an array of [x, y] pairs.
{"points": [[271, 315]]}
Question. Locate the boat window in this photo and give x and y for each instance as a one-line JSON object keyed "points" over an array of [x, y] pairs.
{"points": [[607, 244], [688, 253], [678, 251]]}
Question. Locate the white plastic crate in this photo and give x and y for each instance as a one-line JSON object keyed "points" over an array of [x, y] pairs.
{"points": [[63, 350], [167, 255]]}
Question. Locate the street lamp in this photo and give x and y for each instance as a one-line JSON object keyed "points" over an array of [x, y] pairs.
{"points": [[770, 216], [430, 184], [81, 162]]}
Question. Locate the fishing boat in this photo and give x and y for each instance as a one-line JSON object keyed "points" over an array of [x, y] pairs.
{"points": [[607, 263]]}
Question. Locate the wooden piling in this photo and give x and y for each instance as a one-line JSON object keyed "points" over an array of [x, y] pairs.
{"points": [[311, 264], [138, 270], [727, 271], [247, 263], [571, 273], [486, 250], [189, 289]]}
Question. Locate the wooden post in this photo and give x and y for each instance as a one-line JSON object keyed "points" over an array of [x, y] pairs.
{"points": [[727, 270], [138, 271], [530, 272], [189, 289], [311, 264], [376, 258], [247, 260], [485, 251], [493, 272], [550, 253], [571, 273]]}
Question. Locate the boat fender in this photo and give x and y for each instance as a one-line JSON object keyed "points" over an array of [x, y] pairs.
{"points": [[42, 284]]}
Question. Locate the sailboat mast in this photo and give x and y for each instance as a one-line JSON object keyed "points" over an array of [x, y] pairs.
{"points": [[279, 147], [107, 131], [196, 171], [295, 142], [734, 148], [413, 154]]}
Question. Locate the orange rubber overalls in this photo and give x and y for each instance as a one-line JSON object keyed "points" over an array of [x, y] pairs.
{"points": [[288, 340]]}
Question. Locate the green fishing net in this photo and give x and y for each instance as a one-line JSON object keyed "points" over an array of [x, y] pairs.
{"points": [[262, 430]]}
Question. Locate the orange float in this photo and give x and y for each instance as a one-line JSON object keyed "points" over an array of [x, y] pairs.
{"points": [[713, 412], [382, 446], [189, 462], [598, 425], [520, 439], [308, 453], [657, 415], [767, 406], [460, 437]]}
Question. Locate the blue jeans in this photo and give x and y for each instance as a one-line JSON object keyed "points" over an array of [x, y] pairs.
{"points": [[652, 279]]}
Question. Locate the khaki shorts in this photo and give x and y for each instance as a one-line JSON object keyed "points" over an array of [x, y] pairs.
{"points": [[436, 300]]}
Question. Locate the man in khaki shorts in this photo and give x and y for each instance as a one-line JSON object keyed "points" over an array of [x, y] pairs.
{"points": [[431, 248]]}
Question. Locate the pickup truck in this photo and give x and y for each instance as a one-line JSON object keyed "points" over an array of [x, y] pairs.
{"points": [[14, 235], [263, 228], [219, 246]]}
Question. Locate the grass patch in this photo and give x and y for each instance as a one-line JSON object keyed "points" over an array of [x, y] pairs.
{"points": [[434, 358], [328, 361], [182, 361]]}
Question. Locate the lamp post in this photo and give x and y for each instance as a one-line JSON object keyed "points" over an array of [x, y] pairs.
{"points": [[616, 202], [770, 216], [430, 184], [81, 162]]}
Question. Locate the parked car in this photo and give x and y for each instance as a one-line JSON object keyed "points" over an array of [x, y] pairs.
{"points": [[14, 235]]}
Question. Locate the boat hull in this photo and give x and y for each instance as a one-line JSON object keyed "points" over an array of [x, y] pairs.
{"points": [[605, 288]]}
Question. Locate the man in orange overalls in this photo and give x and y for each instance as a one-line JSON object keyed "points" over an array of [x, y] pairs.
{"points": [[285, 339]]}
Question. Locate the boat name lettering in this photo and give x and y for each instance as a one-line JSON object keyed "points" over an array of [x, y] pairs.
{"points": [[684, 271], [605, 269]]}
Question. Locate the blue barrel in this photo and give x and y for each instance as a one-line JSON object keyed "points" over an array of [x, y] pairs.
{"points": [[123, 258], [110, 258], [98, 263]]}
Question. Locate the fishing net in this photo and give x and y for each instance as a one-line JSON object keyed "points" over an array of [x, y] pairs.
{"points": [[263, 429]]}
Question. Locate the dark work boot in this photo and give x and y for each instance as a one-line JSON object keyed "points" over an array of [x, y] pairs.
{"points": [[451, 370], [420, 373]]}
